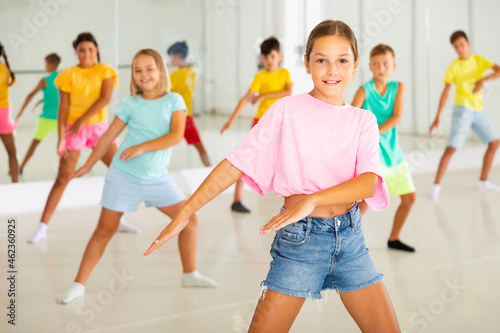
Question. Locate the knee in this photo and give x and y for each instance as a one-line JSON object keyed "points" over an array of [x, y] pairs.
{"points": [[63, 178], [192, 225], [409, 199], [105, 231]]}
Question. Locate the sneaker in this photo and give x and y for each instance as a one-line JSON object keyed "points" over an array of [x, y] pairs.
{"points": [[238, 207], [487, 186], [398, 245], [434, 192]]}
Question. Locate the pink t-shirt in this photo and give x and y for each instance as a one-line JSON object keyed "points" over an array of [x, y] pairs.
{"points": [[303, 145]]}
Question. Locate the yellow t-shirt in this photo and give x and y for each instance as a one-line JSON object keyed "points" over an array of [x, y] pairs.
{"points": [[183, 82], [465, 74], [4, 85], [84, 86], [266, 82]]}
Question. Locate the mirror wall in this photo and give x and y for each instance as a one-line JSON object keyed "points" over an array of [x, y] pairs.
{"points": [[224, 36]]}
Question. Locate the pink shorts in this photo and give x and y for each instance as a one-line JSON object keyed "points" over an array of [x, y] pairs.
{"points": [[7, 124], [87, 138]]}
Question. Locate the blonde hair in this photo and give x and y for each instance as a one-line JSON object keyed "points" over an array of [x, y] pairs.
{"points": [[164, 80]]}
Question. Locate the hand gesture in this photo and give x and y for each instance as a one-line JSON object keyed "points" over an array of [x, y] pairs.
{"points": [[75, 129], [172, 230], [226, 127], [479, 85], [288, 216], [82, 171], [61, 149], [131, 152], [257, 99], [434, 125]]}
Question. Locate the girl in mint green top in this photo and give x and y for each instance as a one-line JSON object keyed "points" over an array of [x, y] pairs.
{"points": [[382, 107]]}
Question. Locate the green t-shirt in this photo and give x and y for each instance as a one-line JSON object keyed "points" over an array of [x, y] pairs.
{"points": [[50, 97], [147, 120], [382, 107]]}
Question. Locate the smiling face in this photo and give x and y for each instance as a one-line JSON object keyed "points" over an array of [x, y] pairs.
{"points": [[146, 74], [382, 66], [271, 61], [461, 46], [87, 54], [331, 65]]}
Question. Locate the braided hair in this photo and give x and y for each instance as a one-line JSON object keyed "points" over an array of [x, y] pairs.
{"points": [[4, 55]]}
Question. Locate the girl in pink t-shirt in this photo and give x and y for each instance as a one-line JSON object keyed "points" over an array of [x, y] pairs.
{"points": [[321, 155]]}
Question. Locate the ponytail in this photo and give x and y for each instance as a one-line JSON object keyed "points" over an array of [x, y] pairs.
{"points": [[12, 74]]}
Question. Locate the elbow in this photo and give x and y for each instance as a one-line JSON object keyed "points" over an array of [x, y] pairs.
{"points": [[372, 189], [288, 92]]}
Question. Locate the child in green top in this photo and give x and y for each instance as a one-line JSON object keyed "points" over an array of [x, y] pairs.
{"points": [[48, 119], [385, 99]]}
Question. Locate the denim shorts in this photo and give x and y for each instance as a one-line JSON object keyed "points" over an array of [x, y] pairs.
{"points": [[321, 253], [463, 119], [123, 192]]}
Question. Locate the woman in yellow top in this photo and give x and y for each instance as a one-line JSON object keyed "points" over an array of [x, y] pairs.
{"points": [[7, 124], [84, 92]]}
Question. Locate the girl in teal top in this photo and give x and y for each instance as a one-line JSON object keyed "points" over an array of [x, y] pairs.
{"points": [[385, 99], [47, 122]]}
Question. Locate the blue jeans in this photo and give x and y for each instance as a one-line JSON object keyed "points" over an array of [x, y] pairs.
{"points": [[320, 253]]}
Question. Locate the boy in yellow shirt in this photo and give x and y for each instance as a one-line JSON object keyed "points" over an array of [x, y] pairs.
{"points": [[183, 82], [466, 73], [267, 87]]}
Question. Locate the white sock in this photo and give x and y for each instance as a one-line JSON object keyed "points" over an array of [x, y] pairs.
{"points": [[195, 279], [73, 292], [487, 186], [125, 227], [40, 233], [434, 192]]}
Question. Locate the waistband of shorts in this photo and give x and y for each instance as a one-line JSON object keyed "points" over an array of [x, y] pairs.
{"points": [[457, 107], [130, 177], [347, 219], [97, 125]]}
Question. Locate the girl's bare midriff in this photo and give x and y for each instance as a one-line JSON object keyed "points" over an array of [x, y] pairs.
{"points": [[320, 211]]}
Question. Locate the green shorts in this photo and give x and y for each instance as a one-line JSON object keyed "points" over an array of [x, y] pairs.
{"points": [[44, 127], [398, 179]]}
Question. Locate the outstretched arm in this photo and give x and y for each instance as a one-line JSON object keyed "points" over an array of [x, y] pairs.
{"points": [[38, 87], [397, 111], [442, 102], [479, 84], [355, 189], [239, 108], [221, 177]]}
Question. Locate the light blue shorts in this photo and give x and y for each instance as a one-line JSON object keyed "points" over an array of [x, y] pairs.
{"points": [[123, 192], [463, 119], [320, 253]]}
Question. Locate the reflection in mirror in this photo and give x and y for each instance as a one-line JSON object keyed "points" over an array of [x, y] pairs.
{"points": [[223, 38]]}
